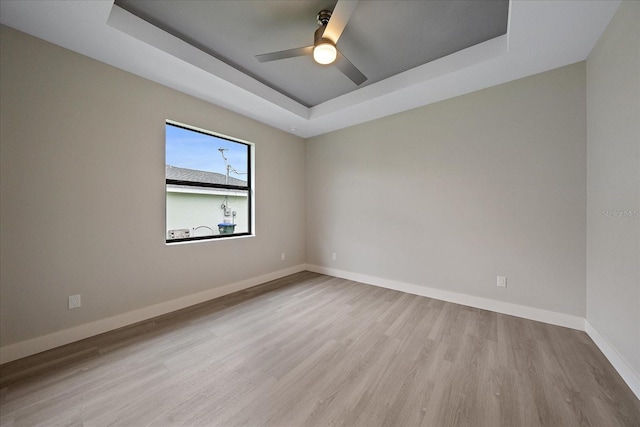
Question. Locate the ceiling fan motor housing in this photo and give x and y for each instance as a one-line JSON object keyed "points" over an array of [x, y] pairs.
{"points": [[318, 39]]}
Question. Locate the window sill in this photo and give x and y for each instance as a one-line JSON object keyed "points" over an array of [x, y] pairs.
{"points": [[207, 239]]}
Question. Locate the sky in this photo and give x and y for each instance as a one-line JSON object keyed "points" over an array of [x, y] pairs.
{"points": [[194, 150]]}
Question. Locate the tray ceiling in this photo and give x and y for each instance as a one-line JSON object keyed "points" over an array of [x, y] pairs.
{"points": [[382, 38]]}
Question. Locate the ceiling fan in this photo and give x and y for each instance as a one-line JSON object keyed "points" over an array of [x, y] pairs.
{"points": [[324, 51]]}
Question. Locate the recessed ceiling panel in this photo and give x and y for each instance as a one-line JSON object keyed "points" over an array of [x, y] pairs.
{"points": [[382, 38]]}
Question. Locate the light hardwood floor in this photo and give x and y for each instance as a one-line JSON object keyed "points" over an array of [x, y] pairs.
{"points": [[312, 350]]}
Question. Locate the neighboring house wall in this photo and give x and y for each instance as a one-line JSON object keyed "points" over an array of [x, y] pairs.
{"points": [[613, 189], [82, 202], [200, 209], [453, 194], [187, 210]]}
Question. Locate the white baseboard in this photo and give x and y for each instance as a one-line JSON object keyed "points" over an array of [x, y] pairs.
{"points": [[46, 342], [537, 314], [560, 319], [628, 375]]}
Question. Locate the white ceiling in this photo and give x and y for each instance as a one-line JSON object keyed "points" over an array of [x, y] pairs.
{"points": [[542, 35]]}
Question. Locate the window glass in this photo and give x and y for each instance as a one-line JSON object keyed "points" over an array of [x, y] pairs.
{"points": [[208, 185]]}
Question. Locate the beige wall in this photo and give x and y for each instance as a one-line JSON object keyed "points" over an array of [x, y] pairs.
{"points": [[448, 196], [613, 183], [83, 194], [453, 194]]}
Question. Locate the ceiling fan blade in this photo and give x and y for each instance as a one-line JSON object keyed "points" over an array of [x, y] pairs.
{"points": [[349, 70], [284, 54], [339, 18]]}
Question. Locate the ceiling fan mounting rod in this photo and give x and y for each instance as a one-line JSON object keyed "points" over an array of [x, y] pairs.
{"points": [[323, 17]]}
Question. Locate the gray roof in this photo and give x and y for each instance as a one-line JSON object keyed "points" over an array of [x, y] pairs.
{"points": [[183, 174]]}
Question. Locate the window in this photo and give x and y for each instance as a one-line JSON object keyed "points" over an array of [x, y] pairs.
{"points": [[208, 185]]}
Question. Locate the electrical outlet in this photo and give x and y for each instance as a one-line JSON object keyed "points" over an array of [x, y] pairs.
{"points": [[502, 282], [333, 256], [282, 256], [74, 301]]}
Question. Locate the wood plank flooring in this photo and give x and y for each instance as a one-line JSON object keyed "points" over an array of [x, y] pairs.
{"points": [[312, 350]]}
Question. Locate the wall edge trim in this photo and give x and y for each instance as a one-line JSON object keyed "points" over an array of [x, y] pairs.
{"points": [[526, 312], [554, 318], [42, 343], [619, 364]]}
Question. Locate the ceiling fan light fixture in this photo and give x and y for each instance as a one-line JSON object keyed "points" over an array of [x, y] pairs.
{"points": [[324, 52]]}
